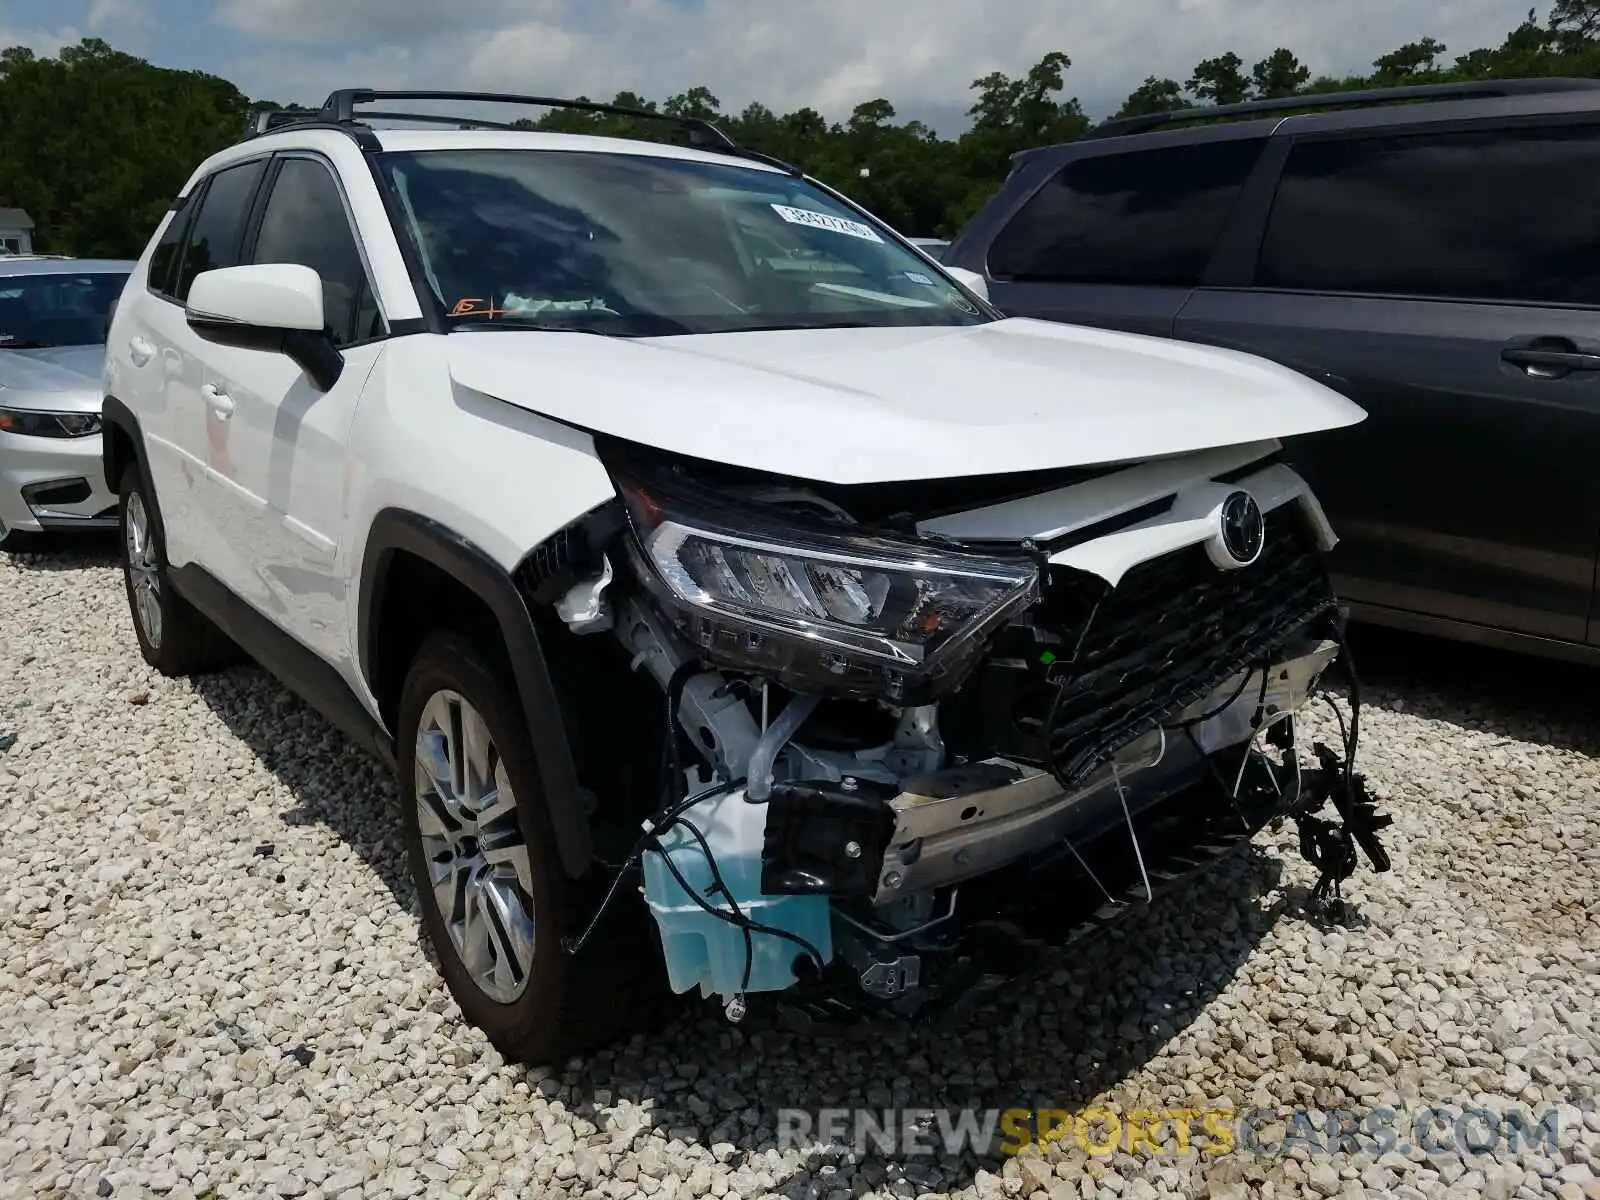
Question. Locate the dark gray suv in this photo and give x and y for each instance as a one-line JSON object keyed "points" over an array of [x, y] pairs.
{"points": [[1433, 252]]}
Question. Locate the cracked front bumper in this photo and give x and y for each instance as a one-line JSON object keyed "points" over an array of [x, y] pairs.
{"points": [[968, 821]]}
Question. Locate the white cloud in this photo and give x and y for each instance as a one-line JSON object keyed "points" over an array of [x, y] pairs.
{"points": [[830, 54], [106, 16], [43, 42]]}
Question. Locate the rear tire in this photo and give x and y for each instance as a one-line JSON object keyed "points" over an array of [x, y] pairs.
{"points": [[495, 901], [174, 637]]}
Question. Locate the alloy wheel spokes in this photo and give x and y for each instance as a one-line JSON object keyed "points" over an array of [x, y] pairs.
{"points": [[478, 862], [142, 570]]}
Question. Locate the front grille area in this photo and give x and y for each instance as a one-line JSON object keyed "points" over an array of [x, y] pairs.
{"points": [[1170, 633]]}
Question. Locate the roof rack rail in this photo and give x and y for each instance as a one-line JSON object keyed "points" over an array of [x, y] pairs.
{"points": [[268, 119], [340, 107], [1471, 89], [338, 111]]}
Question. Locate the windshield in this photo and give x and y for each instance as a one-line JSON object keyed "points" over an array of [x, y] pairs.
{"points": [[57, 309], [640, 246]]}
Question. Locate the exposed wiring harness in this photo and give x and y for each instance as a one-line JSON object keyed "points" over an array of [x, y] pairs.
{"points": [[1329, 846], [675, 803], [1244, 678]]}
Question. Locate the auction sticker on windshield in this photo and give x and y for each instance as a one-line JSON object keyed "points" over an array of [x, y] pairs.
{"points": [[816, 220]]}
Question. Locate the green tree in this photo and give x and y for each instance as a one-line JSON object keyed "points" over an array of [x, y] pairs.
{"points": [[1575, 24], [1008, 116], [697, 102], [1220, 80], [94, 143], [1530, 49], [1027, 109], [1279, 74], [1153, 96], [1415, 62]]}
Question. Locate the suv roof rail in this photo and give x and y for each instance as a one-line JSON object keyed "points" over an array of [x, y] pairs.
{"points": [[265, 120], [338, 111], [340, 107], [1471, 89]]}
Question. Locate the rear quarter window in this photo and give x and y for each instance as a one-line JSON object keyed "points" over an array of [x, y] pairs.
{"points": [[1144, 217], [163, 273], [1508, 214]]}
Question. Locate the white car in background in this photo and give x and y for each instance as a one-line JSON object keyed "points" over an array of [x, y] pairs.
{"points": [[53, 318]]}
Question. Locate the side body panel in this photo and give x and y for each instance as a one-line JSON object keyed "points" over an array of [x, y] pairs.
{"points": [[1469, 491], [279, 507], [499, 478], [152, 370], [1467, 497]]}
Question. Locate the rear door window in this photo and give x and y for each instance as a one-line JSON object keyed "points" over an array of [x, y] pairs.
{"points": [[1146, 217], [1488, 214]]}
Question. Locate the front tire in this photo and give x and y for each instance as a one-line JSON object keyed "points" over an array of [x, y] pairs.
{"points": [[174, 637], [19, 541], [483, 859]]}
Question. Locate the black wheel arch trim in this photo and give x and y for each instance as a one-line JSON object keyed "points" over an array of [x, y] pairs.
{"points": [[398, 530], [117, 418]]}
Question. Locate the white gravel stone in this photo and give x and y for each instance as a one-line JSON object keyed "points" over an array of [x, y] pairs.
{"points": [[212, 981]]}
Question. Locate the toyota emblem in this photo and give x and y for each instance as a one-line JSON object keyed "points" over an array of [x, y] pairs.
{"points": [[1242, 529]]}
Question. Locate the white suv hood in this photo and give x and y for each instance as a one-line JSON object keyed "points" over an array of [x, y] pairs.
{"points": [[876, 405]]}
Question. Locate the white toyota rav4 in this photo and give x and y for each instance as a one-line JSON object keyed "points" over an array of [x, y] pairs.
{"points": [[744, 603]]}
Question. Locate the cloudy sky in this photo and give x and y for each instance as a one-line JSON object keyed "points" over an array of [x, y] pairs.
{"points": [[831, 54]]}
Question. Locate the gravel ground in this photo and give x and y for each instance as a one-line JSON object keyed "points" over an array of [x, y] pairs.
{"points": [[211, 981]]}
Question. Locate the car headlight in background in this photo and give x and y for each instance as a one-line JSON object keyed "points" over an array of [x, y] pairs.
{"points": [[48, 424], [824, 607]]}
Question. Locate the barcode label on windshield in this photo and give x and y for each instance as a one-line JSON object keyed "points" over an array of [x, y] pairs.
{"points": [[804, 216]]}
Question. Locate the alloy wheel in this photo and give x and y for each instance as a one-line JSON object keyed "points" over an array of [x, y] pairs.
{"points": [[143, 571], [472, 842]]}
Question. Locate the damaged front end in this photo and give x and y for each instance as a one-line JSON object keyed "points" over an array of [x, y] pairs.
{"points": [[903, 763]]}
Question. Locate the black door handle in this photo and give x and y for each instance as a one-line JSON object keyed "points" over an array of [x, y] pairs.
{"points": [[1564, 360]]}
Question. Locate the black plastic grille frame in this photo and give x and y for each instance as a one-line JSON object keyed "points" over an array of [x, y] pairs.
{"points": [[1173, 631], [57, 491]]}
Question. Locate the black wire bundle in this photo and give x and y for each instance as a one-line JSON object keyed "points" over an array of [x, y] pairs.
{"points": [[674, 804]]}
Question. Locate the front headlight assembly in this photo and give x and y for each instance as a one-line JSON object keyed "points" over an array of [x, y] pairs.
{"points": [[821, 606], [48, 424]]}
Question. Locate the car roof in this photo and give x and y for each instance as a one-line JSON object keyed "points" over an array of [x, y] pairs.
{"points": [[1398, 107], [503, 139], [333, 141], [26, 264], [342, 123]]}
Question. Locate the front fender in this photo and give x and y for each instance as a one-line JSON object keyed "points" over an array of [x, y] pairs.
{"points": [[397, 531]]}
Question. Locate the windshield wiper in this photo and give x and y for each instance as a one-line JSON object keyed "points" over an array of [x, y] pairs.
{"points": [[802, 325], [631, 326], [8, 344], [523, 324]]}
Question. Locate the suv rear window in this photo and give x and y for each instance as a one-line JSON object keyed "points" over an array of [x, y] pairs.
{"points": [[1498, 214], [1149, 217]]}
